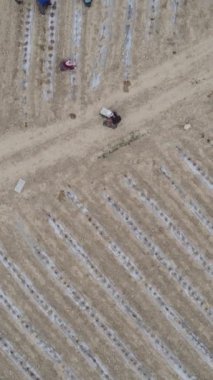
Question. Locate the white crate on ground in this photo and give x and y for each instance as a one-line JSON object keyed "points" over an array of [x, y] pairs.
{"points": [[20, 185]]}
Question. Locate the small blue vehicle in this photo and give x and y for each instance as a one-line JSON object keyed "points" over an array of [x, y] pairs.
{"points": [[43, 5], [88, 3]]}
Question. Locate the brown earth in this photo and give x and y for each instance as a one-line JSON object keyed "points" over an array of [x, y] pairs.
{"points": [[114, 228]]}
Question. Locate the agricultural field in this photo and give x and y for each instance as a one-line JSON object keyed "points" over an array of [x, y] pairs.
{"points": [[106, 258]]}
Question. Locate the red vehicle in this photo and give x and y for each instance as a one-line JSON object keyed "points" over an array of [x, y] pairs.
{"points": [[67, 64], [112, 119]]}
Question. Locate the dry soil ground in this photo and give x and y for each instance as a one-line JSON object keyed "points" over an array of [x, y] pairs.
{"points": [[106, 256]]}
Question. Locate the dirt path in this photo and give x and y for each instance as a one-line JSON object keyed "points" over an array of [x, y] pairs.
{"points": [[106, 255], [27, 151]]}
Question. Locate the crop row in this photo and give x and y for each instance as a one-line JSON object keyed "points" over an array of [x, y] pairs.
{"points": [[118, 298], [175, 230], [124, 259], [52, 315], [161, 257]]}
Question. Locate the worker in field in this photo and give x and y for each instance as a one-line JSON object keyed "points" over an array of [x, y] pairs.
{"points": [[43, 5]]}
